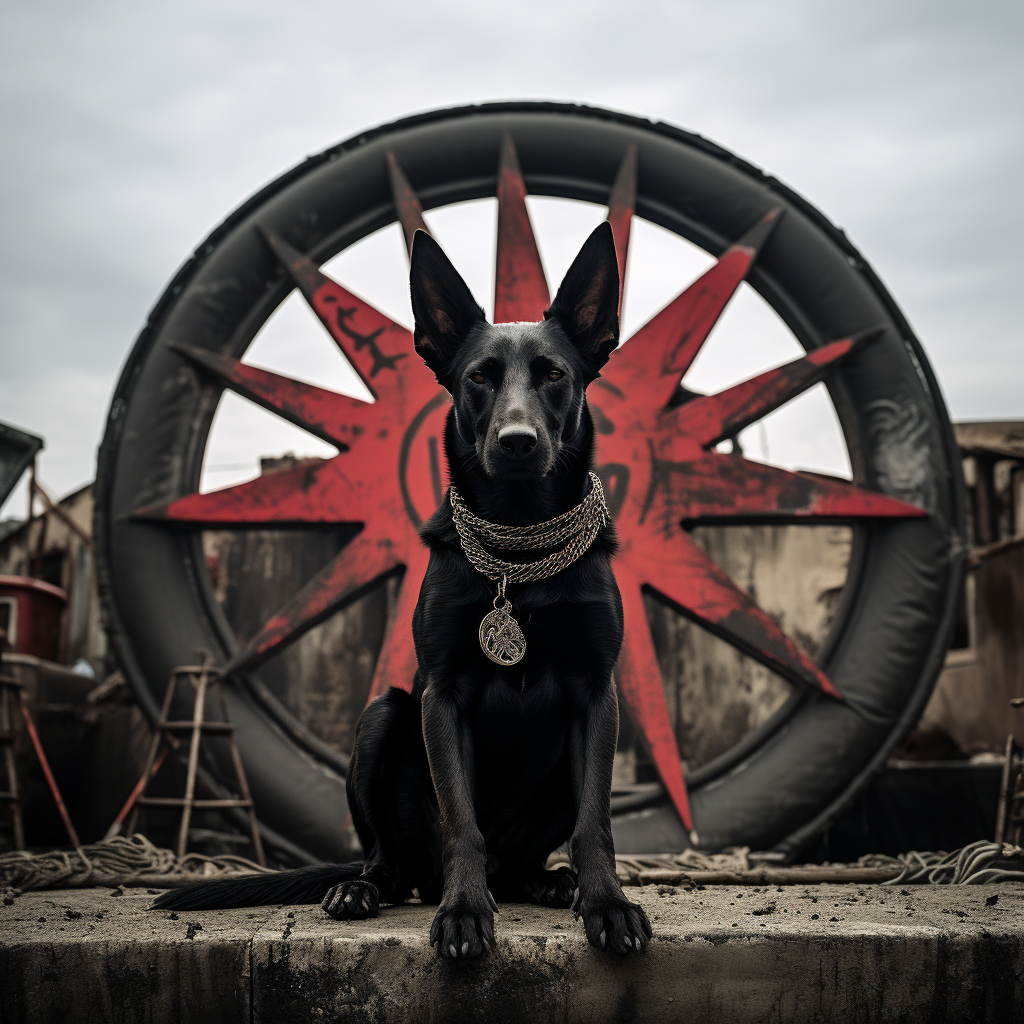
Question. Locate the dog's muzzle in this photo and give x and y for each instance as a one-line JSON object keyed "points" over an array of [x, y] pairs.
{"points": [[518, 441]]}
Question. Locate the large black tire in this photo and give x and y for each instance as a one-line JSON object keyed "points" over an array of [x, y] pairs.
{"points": [[777, 788]]}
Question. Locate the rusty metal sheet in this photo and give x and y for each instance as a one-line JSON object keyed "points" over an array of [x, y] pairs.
{"points": [[639, 679], [621, 207], [520, 289], [372, 342], [396, 665], [336, 419], [389, 477], [712, 418], [306, 494], [650, 366], [407, 203], [357, 568], [718, 488], [684, 574]]}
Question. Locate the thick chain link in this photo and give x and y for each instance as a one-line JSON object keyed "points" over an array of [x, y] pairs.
{"points": [[576, 529]]}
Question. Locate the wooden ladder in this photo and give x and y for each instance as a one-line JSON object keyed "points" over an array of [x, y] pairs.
{"points": [[167, 732], [10, 696]]}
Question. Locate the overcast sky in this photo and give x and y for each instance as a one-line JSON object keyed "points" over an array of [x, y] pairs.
{"points": [[129, 130]]}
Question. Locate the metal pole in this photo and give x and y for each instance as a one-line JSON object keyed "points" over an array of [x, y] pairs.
{"points": [[1002, 808], [50, 780]]}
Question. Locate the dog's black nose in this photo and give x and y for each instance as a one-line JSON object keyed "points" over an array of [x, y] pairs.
{"points": [[517, 441]]}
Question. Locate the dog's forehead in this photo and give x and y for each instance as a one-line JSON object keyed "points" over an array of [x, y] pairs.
{"points": [[520, 342]]}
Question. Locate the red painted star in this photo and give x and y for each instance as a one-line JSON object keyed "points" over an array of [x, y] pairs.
{"points": [[655, 454]]}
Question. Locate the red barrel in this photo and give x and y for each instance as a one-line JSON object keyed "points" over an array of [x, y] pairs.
{"points": [[30, 613]]}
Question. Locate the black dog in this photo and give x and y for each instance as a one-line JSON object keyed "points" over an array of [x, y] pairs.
{"points": [[462, 789]]}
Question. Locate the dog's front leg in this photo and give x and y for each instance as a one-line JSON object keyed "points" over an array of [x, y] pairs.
{"points": [[464, 923], [611, 921]]}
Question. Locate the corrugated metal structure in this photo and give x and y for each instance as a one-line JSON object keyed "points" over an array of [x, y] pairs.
{"points": [[984, 670]]}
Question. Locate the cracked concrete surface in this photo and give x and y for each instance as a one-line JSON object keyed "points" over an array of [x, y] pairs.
{"points": [[803, 953]]}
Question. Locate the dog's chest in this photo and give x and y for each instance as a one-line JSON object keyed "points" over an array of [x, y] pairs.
{"points": [[522, 720], [577, 638]]}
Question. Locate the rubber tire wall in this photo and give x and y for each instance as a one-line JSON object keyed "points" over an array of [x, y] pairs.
{"points": [[775, 790]]}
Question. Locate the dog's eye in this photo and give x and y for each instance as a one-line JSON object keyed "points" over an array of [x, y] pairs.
{"points": [[477, 378], [555, 375]]}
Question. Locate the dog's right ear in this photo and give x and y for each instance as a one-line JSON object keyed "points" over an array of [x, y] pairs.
{"points": [[442, 304]]}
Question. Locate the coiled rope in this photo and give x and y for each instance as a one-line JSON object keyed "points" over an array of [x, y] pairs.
{"points": [[977, 864], [135, 861], [123, 860]]}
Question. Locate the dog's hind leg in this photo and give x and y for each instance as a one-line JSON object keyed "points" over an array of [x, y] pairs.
{"points": [[393, 809], [523, 837], [556, 889]]}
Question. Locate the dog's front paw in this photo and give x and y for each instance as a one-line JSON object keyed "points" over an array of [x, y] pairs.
{"points": [[615, 924], [353, 900], [556, 888], [461, 930]]}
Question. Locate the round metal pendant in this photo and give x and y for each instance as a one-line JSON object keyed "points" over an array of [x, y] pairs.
{"points": [[501, 639]]}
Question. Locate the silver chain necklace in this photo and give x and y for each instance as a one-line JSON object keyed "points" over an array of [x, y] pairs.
{"points": [[571, 534]]}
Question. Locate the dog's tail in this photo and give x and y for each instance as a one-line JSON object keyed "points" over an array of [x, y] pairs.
{"points": [[303, 885]]}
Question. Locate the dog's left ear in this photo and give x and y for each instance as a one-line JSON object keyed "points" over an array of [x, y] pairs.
{"points": [[587, 303], [442, 304]]}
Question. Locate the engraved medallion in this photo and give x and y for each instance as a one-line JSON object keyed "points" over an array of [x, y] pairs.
{"points": [[501, 639]]}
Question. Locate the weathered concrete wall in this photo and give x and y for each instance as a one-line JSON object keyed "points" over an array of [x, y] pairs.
{"points": [[807, 953], [716, 695], [971, 700], [324, 677]]}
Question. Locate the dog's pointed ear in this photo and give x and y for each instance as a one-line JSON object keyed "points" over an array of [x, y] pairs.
{"points": [[587, 303], [442, 304]]}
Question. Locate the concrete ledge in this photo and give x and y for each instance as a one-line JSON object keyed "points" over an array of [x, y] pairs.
{"points": [[732, 954]]}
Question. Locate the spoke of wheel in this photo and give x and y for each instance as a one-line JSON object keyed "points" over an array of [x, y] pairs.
{"points": [[702, 591], [369, 340], [350, 574], [336, 419], [520, 289], [651, 363], [396, 665], [407, 203], [642, 688], [621, 207], [712, 418], [731, 489], [315, 492]]}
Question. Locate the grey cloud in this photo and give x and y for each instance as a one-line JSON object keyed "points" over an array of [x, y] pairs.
{"points": [[130, 130]]}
